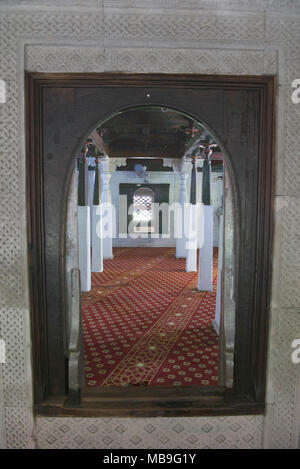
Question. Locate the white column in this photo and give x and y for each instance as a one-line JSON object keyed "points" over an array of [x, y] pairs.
{"points": [[180, 214], [217, 319], [192, 241], [192, 222], [206, 251], [97, 242], [182, 169], [106, 216], [108, 166]]}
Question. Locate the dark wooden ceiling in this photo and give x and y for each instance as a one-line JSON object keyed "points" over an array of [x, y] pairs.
{"points": [[146, 135], [148, 132]]}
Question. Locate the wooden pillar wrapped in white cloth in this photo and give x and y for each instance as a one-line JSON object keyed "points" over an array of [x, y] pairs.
{"points": [[182, 169], [192, 237], [206, 250], [106, 212], [84, 226], [108, 215], [185, 168], [97, 244]]}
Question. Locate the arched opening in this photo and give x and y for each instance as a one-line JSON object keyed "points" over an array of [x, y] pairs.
{"points": [[162, 162]]}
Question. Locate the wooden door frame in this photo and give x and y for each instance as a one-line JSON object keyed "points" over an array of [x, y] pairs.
{"points": [[160, 400]]}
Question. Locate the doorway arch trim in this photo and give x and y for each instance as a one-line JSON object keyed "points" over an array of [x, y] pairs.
{"points": [[248, 393]]}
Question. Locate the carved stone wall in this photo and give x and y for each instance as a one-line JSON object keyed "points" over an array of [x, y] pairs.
{"points": [[171, 36]]}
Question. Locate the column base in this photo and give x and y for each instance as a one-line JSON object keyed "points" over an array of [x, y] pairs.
{"points": [[191, 261], [216, 326]]}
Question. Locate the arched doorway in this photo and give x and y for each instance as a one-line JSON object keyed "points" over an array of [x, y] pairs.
{"points": [[120, 349], [239, 111]]}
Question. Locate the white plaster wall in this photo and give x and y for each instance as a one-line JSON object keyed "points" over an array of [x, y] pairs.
{"points": [[154, 177], [168, 36], [163, 177]]}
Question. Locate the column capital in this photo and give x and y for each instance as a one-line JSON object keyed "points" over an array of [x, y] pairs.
{"points": [[108, 165], [117, 162], [168, 162], [179, 165]]}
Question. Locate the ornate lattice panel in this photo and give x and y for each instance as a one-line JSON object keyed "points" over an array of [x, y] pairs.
{"points": [[142, 208]]}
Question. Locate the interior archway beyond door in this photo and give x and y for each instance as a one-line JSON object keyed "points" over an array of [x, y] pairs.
{"points": [[73, 104], [155, 132]]}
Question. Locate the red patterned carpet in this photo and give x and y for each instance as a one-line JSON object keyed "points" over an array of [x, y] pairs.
{"points": [[145, 323]]}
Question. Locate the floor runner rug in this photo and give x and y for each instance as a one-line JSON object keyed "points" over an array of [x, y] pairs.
{"points": [[145, 323]]}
